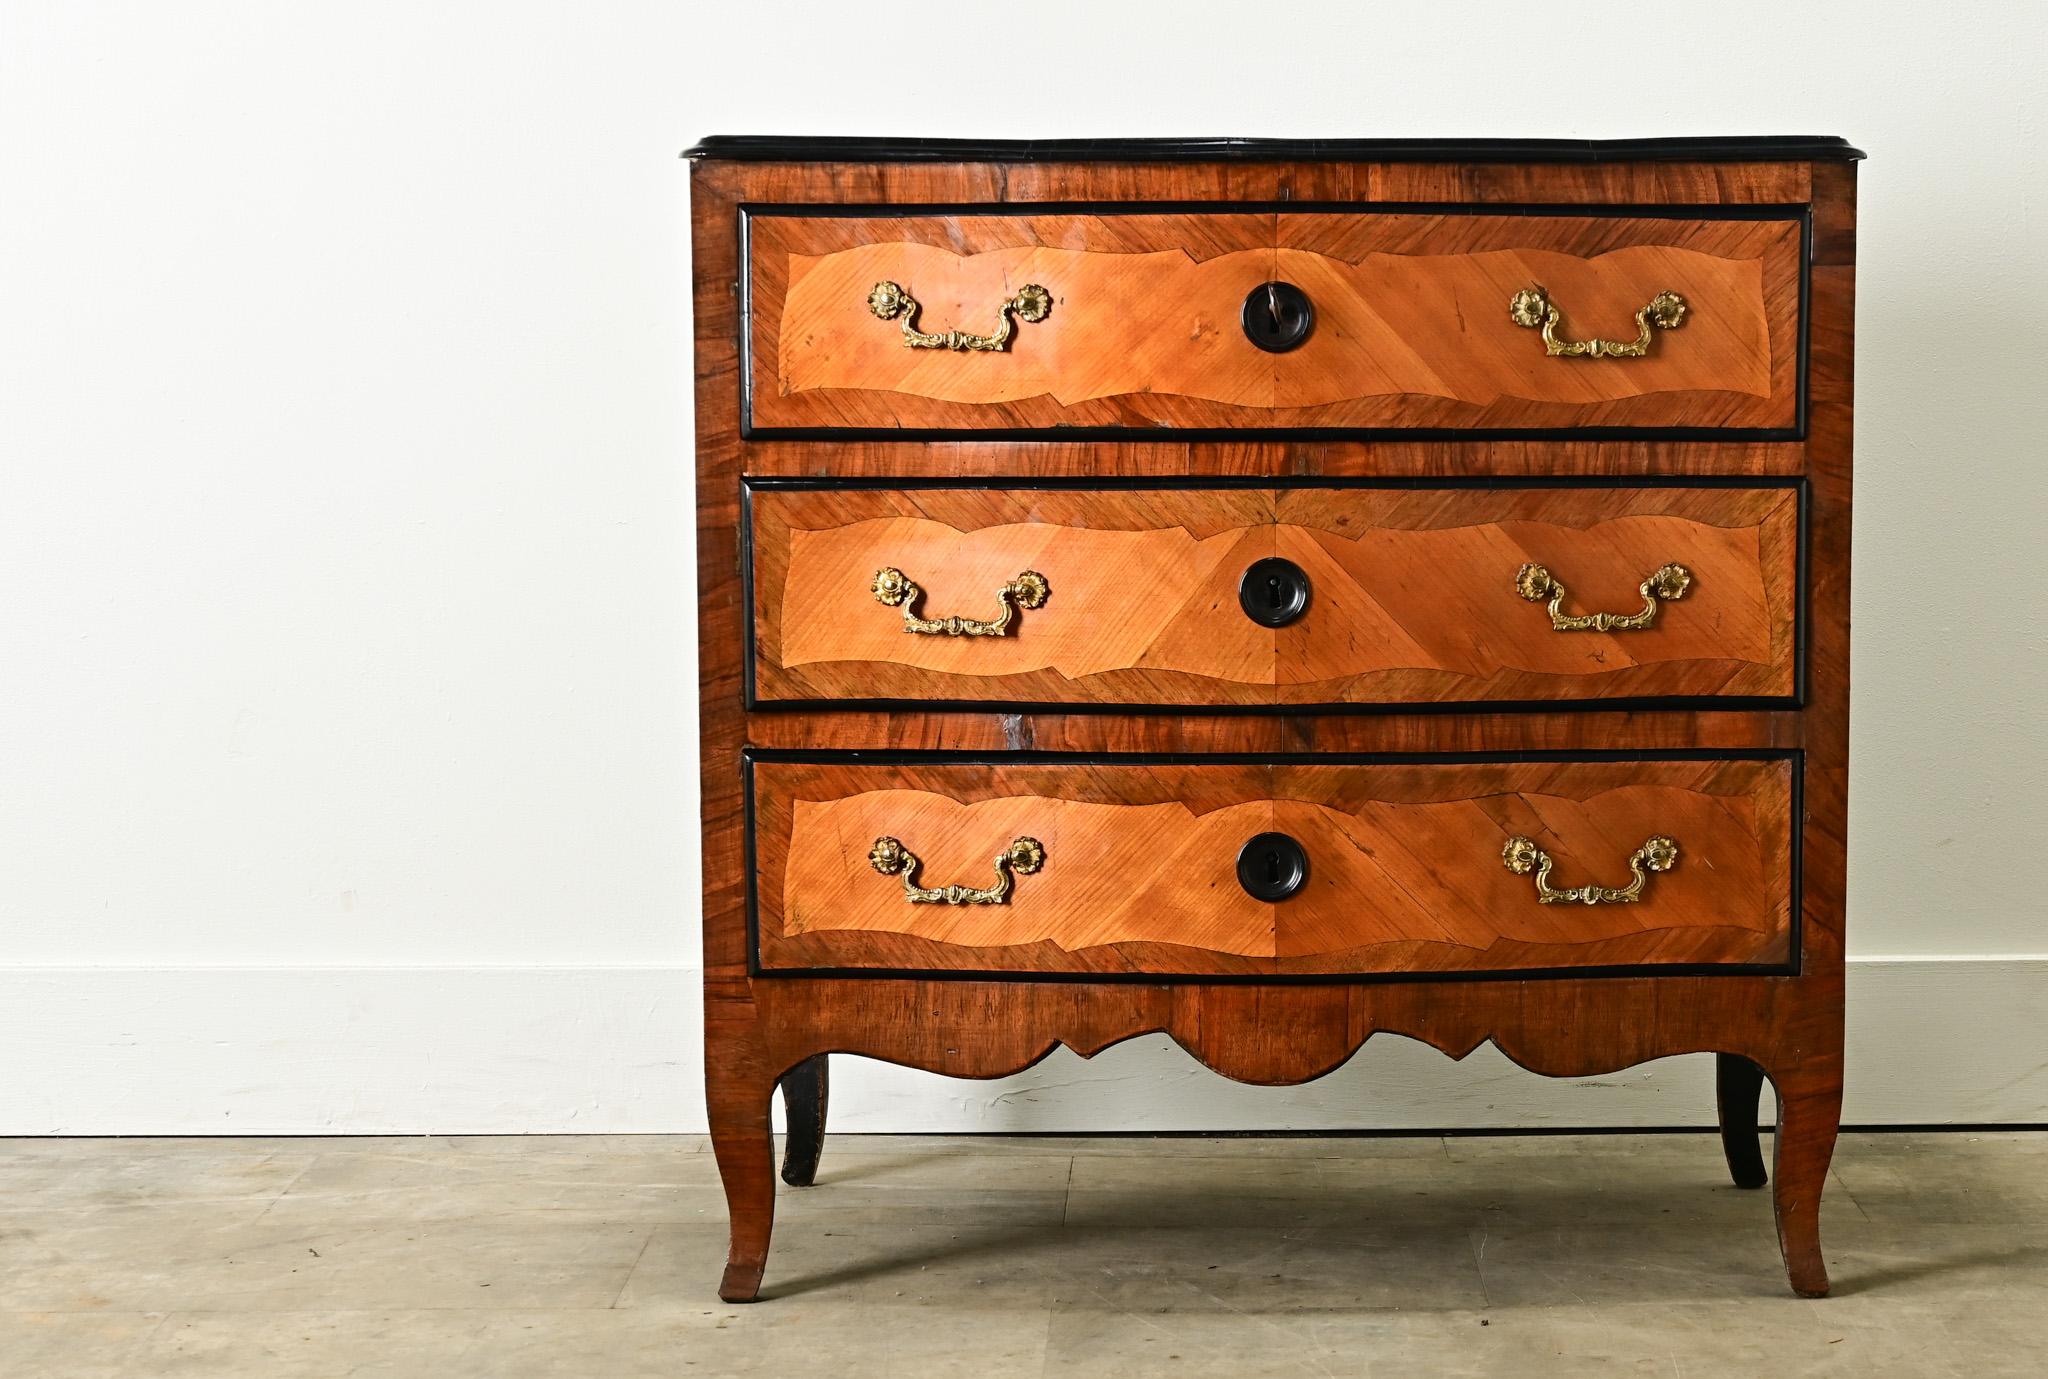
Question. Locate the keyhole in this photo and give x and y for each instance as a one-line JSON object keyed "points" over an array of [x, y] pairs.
{"points": [[1271, 866], [1277, 316], [1273, 592]]}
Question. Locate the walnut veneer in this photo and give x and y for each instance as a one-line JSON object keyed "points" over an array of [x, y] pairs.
{"points": [[1004, 704]]}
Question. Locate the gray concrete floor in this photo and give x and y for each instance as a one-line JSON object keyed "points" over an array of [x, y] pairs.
{"points": [[596, 1258]]}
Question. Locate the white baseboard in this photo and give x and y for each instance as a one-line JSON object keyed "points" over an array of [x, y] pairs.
{"points": [[288, 1051]]}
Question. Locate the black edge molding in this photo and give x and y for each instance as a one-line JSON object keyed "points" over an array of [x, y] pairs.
{"points": [[750, 757], [1742, 148], [1802, 213], [751, 700]]}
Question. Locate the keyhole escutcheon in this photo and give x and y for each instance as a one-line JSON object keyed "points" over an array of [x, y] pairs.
{"points": [[1272, 866], [1277, 317], [1273, 592]]}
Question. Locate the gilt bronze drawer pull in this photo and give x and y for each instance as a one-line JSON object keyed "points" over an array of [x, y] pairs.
{"points": [[893, 587], [1521, 856], [1532, 308], [1022, 857], [1535, 584], [888, 301]]}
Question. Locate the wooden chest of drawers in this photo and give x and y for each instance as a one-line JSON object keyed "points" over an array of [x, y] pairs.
{"points": [[1242, 588]]}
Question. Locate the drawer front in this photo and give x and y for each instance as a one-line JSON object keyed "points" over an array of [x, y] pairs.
{"points": [[1140, 320], [1406, 597], [1133, 867]]}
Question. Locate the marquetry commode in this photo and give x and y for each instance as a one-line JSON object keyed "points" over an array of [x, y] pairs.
{"points": [[1274, 593]]}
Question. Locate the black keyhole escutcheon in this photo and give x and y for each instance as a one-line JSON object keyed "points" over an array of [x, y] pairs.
{"points": [[1272, 866], [1277, 317], [1273, 592]]}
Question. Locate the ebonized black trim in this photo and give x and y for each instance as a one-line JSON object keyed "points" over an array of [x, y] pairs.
{"points": [[750, 756], [1802, 213], [787, 148], [1801, 596], [750, 647]]}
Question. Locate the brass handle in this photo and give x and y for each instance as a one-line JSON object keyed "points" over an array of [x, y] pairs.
{"points": [[1531, 307], [888, 301], [1023, 856], [1535, 584], [1521, 856], [1027, 590]]}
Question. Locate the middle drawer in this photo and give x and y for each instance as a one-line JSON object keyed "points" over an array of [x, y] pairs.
{"points": [[1299, 597]]}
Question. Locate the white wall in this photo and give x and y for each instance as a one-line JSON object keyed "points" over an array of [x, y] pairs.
{"points": [[346, 655]]}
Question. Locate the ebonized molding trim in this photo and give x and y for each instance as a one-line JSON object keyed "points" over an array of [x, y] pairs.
{"points": [[782, 148], [750, 756], [1803, 213], [752, 701]]}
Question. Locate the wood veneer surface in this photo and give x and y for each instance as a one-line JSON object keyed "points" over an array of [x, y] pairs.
{"points": [[758, 1029], [1412, 327], [1405, 870], [1413, 594]]}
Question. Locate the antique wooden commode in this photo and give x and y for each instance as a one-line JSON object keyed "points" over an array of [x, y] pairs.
{"points": [[1274, 593]]}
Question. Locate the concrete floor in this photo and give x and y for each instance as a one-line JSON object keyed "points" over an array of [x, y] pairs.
{"points": [[596, 1258]]}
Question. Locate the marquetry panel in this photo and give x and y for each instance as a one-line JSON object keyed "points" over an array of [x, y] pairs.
{"points": [[1413, 594], [1404, 870], [1412, 325]]}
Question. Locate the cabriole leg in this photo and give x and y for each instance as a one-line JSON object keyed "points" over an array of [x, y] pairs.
{"points": [[739, 1099], [805, 1091], [1737, 1084], [1809, 1118]]}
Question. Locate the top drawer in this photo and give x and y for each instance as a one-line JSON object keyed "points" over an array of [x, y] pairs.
{"points": [[987, 320]]}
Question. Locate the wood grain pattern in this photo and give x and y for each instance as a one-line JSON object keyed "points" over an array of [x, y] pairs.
{"points": [[1405, 869], [1411, 326], [1160, 454], [757, 1029], [1413, 599]]}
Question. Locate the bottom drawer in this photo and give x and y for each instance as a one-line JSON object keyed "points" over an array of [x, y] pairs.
{"points": [[1320, 868]]}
